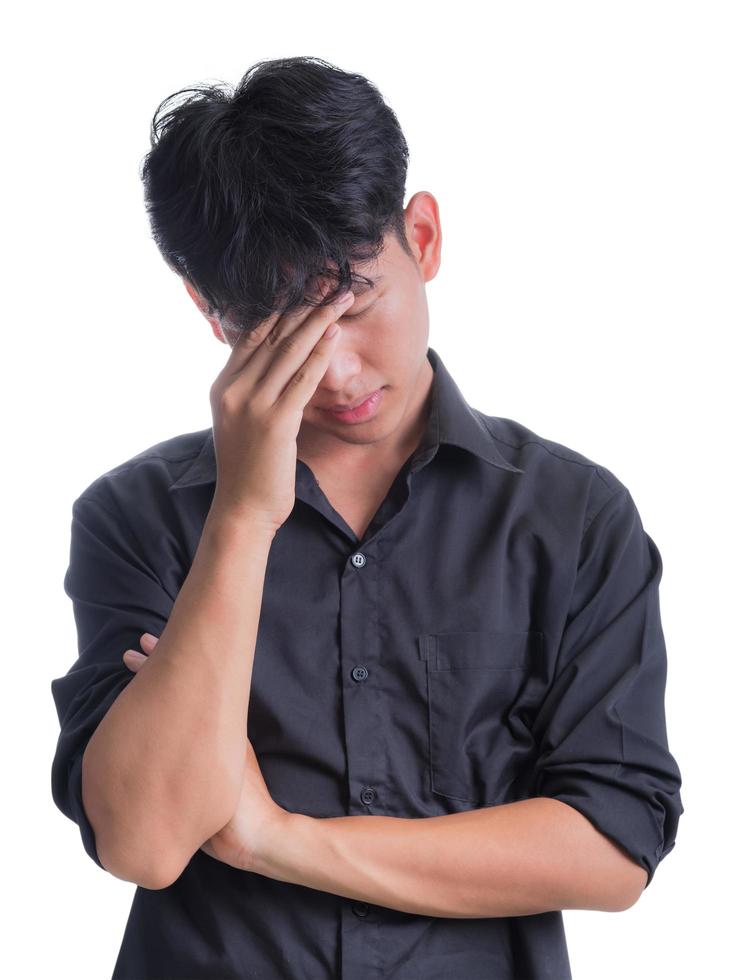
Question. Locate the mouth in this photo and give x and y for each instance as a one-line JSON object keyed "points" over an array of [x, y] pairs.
{"points": [[349, 408], [360, 411]]}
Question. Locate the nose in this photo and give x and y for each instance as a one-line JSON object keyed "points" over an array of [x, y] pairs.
{"points": [[343, 367]]}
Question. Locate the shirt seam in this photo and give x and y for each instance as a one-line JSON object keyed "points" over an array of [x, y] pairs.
{"points": [[565, 459], [129, 464], [613, 495]]}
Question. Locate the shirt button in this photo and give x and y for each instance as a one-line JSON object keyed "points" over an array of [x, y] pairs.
{"points": [[360, 908], [358, 559], [359, 673], [367, 795]]}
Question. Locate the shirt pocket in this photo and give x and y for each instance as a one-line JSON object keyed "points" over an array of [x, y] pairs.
{"points": [[478, 687]]}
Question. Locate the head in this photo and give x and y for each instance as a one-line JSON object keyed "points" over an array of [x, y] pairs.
{"points": [[284, 192]]}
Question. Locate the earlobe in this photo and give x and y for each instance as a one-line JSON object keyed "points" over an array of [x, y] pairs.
{"points": [[217, 331], [191, 290], [205, 309]]}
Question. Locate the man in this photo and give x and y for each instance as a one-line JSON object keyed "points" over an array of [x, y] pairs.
{"points": [[400, 699]]}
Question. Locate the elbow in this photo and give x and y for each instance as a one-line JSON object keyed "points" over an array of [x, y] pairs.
{"points": [[636, 887], [139, 861], [158, 878], [138, 869], [629, 888]]}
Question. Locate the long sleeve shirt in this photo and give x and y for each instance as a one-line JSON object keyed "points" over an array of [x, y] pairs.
{"points": [[495, 635]]}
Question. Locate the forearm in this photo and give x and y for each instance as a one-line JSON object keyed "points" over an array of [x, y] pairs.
{"points": [[514, 859], [163, 770]]}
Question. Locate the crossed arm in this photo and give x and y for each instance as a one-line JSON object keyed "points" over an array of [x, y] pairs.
{"points": [[518, 858], [513, 859]]}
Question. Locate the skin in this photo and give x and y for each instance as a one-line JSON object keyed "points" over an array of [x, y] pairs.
{"points": [[237, 842], [525, 857]]}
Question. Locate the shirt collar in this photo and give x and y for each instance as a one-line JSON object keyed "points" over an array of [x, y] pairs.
{"points": [[451, 420]]}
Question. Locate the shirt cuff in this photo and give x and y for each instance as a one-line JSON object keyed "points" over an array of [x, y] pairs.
{"points": [[624, 816]]}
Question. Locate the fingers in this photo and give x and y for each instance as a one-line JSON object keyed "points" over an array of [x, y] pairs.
{"points": [[250, 341], [133, 659], [302, 385], [296, 357], [271, 354]]}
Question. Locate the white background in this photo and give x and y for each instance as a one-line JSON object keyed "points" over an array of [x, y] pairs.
{"points": [[582, 156]]}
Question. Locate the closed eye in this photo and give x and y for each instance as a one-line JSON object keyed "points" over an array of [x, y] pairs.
{"points": [[356, 316]]}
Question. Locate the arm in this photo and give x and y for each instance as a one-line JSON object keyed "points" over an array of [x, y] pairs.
{"points": [[150, 768], [514, 859], [163, 769], [539, 854]]}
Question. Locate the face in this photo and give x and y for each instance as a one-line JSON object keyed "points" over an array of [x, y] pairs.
{"points": [[381, 346]]}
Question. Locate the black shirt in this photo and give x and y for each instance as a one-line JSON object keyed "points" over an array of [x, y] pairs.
{"points": [[495, 635]]}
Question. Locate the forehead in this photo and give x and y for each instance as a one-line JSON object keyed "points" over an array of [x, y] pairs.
{"points": [[388, 264]]}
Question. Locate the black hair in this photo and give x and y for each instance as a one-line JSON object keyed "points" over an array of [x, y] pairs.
{"points": [[251, 193]]}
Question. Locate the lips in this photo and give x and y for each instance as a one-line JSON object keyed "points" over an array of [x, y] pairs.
{"points": [[352, 407], [364, 411]]}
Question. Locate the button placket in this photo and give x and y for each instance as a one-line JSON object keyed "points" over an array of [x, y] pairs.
{"points": [[359, 713], [365, 747]]}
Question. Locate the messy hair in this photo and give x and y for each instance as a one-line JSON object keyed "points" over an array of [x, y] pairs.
{"points": [[253, 193]]}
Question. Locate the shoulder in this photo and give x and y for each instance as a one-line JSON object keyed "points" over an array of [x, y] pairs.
{"points": [[552, 468], [149, 472]]}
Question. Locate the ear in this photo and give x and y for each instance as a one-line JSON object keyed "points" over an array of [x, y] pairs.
{"points": [[424, 232], [203, 306]]}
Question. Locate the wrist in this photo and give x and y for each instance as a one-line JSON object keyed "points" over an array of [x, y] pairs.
{"points": [[229, 523], [284, 846]]}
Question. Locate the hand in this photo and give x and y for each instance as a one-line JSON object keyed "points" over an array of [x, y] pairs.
{"points": [[257, 817], [258, 402]]}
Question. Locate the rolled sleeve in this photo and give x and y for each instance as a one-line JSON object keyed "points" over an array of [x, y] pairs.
{"points": [[601, 731], [116, 597]]}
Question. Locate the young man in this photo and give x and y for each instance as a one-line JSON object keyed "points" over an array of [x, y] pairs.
{"points": [[401, 693]]}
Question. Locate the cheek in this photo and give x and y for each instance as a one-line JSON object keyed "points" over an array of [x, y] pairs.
{"points": [[401, 321], [383, 332]]}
